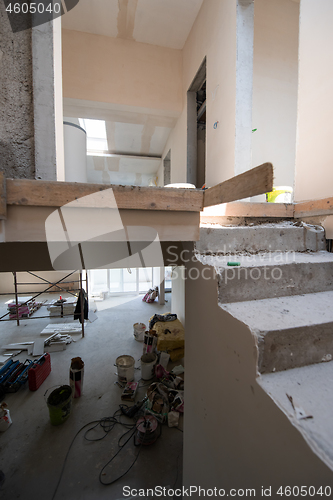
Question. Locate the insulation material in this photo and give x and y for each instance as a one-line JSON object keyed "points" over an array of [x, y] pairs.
{"points": [[173, 339], [176, 354]]}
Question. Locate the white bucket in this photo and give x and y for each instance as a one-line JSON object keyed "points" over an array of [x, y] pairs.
{"points": [[148, 362], [5, 420], [125, 368], [139, 330]]}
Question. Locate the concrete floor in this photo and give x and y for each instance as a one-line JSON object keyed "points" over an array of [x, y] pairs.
{"points": [[32, 451]]}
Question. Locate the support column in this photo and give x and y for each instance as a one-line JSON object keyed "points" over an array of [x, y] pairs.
{"points": [[244, 85], [44, 101]]}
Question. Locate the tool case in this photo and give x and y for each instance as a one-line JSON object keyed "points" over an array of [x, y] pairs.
{"points": [[39, 372]]}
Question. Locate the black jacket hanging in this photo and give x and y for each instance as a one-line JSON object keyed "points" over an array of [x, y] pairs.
{"points": [[77, 312]]}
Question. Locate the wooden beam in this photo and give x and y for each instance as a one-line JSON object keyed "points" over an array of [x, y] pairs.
{"points": [[244, 209], [256, 181], [313, 208], [3, 197], [25, 192]]}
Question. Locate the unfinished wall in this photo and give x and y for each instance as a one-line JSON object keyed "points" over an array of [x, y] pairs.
{"points": [[234, 434], [119, 71], [275, 81], [314, 157], [213, 35], [16, 101]]}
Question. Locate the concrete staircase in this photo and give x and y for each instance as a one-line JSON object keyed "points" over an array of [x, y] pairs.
{"points": [[283, 288]]}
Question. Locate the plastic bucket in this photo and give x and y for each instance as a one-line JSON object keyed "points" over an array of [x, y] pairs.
{"points": [[139, 330], [59, 403], [125, 368], [148, 362]]}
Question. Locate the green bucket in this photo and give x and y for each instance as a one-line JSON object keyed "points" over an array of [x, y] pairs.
{"points": [[59, 404]]}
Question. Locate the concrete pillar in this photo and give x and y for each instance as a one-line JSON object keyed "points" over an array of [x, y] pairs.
{"points": [[16, 104], [58, 102], [44, 101], [244, 85]]}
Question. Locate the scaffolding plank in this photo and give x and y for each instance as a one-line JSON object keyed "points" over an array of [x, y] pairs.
{"points": [[256, 181], [28, 192], [248, 210], [313, 208]]}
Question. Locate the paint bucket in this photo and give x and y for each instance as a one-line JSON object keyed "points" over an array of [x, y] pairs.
{"points": [[148, 362], [139, 330], [125, 368], [59, 403], [76, 373]]}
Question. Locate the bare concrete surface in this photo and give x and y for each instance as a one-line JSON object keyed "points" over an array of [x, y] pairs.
{"points": [[290, 331], [284, 236], [271, 274], [32, 451], [311, 390], [16, 101]]}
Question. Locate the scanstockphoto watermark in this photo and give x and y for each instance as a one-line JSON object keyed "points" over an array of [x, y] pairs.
{"points": [[252, 267], [25, 14], [89, 233], [183, 492]]}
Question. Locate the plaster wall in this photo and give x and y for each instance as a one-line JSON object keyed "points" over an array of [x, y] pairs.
{"points": [[314, 156], [16, 101], [234, 434], [213, 35], [121, 71], [275, 82]]}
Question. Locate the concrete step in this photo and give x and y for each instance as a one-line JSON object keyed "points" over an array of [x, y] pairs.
{"points": [[311, 390], [271, 275], [279, 237], [290, 331]]}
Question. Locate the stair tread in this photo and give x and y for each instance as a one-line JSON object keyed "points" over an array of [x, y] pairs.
{"points": [[280, 313], [311, 389], [267, 259]]}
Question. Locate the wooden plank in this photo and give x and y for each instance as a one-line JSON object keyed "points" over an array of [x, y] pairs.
{"points": [[244, 209], [3, 197], [56, 194], [256, 181], [313, 208]]}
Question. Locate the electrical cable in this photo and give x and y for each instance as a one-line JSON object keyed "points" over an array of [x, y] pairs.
{"points": [[107, 424]]}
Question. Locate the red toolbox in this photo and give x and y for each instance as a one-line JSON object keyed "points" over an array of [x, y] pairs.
{"points": [[39, 372]]}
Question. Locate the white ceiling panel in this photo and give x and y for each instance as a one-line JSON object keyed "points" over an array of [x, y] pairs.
{"points": [[166, 23], [128, 138]]}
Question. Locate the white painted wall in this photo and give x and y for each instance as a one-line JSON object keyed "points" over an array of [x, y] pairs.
{"points": [[213, 35], [114, 70], [314, 158], [234, 434], [275, 81]]}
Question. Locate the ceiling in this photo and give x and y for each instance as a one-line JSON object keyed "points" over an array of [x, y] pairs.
{"points": [[166, 23], [133, 139]]}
